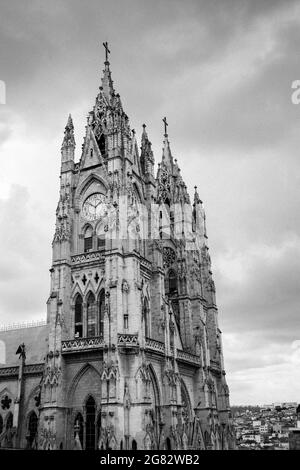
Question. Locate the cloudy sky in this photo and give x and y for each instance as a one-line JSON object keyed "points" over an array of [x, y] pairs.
{"points": [[221, 71]]}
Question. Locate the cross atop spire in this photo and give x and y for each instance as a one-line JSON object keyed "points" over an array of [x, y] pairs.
{"points": [[107, 51], [166, 125], [107, 83]]}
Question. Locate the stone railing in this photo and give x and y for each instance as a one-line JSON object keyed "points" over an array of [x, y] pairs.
{"points": [[145, 264], [32, 369], [188, 357], [215, 366], [9, 371], [88, 256], [29, 369], [154, 345], [128, 341], [82, 344]]}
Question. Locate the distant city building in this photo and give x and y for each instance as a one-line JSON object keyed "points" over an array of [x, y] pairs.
{"points": [[294, 434]]}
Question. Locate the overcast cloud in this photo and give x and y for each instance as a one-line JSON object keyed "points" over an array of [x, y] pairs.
{"points": [[221, 71]]}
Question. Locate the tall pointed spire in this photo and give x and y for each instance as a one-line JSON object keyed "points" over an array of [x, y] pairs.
{"points": [[147, 158], [167, 158], [199, 214], [69, 139], [107, 82], [68, 144]]}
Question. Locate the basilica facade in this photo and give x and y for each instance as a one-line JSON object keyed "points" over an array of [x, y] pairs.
{"points": [[130, 356]]}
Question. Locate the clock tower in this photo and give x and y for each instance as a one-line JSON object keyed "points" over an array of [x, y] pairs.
{"points": [[134, 354]]}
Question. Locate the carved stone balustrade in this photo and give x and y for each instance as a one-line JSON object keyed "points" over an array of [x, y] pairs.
{"points": [[82, 344], [153, 345], [88, 257], [184, 356], [128, 342]]}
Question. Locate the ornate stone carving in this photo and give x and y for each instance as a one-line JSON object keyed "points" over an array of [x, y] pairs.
{"points": [[164, 184], [168, 256]]}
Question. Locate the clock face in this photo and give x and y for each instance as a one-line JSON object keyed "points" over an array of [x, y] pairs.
{"points": [[94, 207]]}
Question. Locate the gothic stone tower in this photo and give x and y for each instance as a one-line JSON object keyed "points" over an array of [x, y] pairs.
{"points": [[134, 354]]}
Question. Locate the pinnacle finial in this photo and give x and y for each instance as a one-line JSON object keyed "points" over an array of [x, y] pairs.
{"points": [[68, 144], [69, 139], [144, 133], [196, 195]]}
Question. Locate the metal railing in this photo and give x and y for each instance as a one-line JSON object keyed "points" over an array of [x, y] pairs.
{"points": [[19, 326]]}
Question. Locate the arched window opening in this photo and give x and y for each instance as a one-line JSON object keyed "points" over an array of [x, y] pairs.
{"points": [[101, 312], [175, 306], [32, 430], [1, 424], [102, 146], [155, 411], [9, 421], [186, 406], [78, 317], [207, 441], [8, 438], [168, 444], [134, 445], [121, 445], [90, 437], [101, 241], [88, 239], [91, 315], [101, 233], [78, 427], [146, 318], [172, 282]]}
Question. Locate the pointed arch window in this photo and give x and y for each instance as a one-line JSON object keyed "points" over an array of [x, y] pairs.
{"points": [[172, 282], [168, 444], [134, 445], [8, 440], [91, 315], [102, 145], [9, 421], [186, 406], [101, 241], [78, 317], [88, 239], [101, 312], [90, 434], [32, 430]]}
